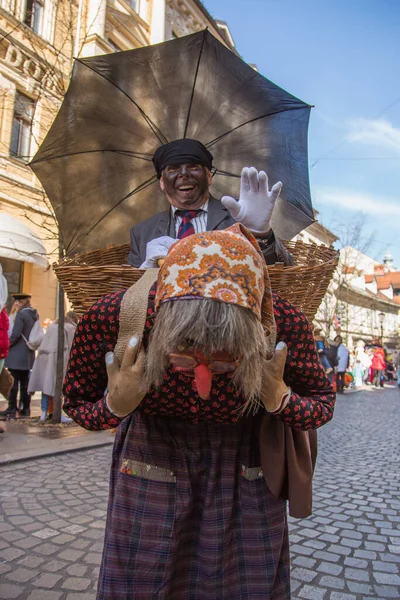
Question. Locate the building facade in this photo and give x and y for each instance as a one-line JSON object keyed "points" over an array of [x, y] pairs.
{"points": [[38, 42]]}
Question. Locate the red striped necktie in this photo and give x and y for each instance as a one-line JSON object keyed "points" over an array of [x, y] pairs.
{"points": [[186, 227]]}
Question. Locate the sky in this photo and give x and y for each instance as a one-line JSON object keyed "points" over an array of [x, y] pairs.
{"points": [[342, 57]]}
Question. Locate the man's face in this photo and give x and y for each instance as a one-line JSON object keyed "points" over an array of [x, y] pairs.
{"points": [[186, 186]]}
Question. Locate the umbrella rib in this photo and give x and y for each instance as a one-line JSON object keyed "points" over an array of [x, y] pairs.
{"points": [[157, 132], [225, 174], [140, 187], [141, 156], [194, 82], [214, 141]]}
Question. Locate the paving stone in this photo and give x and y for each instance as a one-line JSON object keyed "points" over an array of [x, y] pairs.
{"points": [[92, 558], [351, 543], [386, 592], [21, 575], [77, 570], [387, 578], [330, 568], [359, 588], [9, 591], [336, 549], [357, 574], [44, 595], [84, 596], [47, 580], [385, 566], [31, 561], [310, 592], [56, 565], [327, 556], [327, 581], [9, 554], [342, 596], [304, 574], [76, 583], [368, 554], [304, 561], [47, 549]]}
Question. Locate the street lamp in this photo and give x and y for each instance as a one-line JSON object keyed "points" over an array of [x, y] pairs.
{"points": [[381, 317]]}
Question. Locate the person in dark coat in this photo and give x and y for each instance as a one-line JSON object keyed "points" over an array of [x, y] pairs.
{"points": [[184, 170], [206, 408], [20, 358]]}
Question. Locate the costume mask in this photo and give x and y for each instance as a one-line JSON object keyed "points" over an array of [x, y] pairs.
{"points": [[222, 266]]}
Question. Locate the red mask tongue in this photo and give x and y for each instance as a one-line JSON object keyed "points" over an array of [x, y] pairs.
{"points": [[203, 377]]}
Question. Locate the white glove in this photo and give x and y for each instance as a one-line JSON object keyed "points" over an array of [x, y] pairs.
{"points": [[156, 249], [256, 202]]}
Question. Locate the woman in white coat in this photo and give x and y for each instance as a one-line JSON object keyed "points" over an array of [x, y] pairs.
{"points": [[43, 375]]}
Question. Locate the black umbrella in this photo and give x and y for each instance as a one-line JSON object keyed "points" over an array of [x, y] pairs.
{"points": [[95, 162]]}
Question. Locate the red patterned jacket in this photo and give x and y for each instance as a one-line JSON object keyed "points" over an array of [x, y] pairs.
{"points": [[311, 403]]}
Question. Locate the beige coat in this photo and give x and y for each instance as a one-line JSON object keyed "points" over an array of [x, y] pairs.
{"points": [[43, 375]]}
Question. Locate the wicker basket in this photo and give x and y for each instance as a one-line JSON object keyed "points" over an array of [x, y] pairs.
{"points": [[87, 277]]}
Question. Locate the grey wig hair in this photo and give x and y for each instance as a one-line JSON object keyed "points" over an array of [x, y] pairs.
{"points": [[211, 326]]}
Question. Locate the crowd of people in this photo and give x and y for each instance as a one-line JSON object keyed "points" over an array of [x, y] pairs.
{"points": [[364, 364], [28, 356]]}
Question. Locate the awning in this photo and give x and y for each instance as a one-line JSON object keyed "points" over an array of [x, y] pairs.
{"points": [[18, 242]]}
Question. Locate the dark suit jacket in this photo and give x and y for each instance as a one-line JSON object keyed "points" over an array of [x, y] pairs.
{"points": [[218, 218]]}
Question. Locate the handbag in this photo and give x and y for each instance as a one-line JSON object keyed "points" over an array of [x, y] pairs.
{"points": [[6, 382]]}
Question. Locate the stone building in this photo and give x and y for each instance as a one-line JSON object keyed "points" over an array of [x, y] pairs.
{"points": [[38, 41]]}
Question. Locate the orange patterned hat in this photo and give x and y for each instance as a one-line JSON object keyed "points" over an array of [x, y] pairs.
{"points": [[227, 266]]}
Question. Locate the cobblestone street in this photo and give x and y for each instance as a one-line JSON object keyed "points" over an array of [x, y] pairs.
{"points": [[53, 514]]}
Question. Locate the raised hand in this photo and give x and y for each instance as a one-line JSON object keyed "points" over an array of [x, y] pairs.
{"points": [[256, 202]]}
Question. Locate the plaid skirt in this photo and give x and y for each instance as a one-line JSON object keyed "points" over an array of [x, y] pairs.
{"points": [[190, 516]]}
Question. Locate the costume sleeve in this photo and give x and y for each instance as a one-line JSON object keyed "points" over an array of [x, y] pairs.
{"points": [[312, 399], [86, 377], [274, 251], [134, 258]]}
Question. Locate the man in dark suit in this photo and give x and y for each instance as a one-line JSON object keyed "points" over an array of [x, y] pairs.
{"points": [[184, 170]]}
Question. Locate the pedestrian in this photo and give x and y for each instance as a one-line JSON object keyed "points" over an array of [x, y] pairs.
{"points": [[20, 358], [368, 363], [11, 317], [343, 357], [184, 170], [214, 425], [361, 364], [4, 322], [390, 372], [378, 366], [322, 351], [43, 375], [398, 375], [4, 339]]}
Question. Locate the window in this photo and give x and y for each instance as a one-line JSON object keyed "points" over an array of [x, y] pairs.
{"points": [[34, 13], [22, 126], [135, 4], [8, 5]]}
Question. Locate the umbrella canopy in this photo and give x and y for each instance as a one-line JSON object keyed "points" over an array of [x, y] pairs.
{"points": [[95, 162]]}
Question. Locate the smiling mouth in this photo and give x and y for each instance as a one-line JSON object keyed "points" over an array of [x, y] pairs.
{"points": [[186, 188]]}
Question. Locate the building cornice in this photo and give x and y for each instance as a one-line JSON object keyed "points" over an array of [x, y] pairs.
{"points": [[357, 297]]}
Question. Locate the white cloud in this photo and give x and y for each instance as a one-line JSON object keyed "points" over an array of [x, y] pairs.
{"points": [[356, 201], [377, 132]]}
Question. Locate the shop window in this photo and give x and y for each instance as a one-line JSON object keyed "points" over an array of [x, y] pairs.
{"points": [[13, 272], [34, 15], [22, 126]]}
